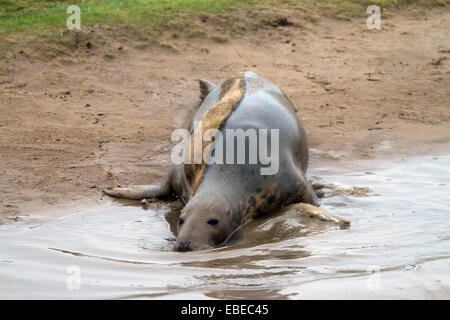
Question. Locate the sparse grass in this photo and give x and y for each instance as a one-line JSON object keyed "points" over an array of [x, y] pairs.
{"points": [[4, 46], [169, 46], [44, 21], [109, 55], [35, 15], [219, 39], [347, 9], [142, 37], [141, 46], [29, 15], [196, 34]]}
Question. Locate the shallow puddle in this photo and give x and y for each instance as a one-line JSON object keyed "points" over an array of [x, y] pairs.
{"points": [[397, 247]]}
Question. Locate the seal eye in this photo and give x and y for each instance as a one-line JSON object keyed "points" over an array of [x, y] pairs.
{"points": [[180, 222], [213, 222]]}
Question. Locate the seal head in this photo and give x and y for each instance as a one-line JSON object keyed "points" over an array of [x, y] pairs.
{"points": [[204, 224]]}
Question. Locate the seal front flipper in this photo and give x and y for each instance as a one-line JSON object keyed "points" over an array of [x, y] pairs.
{"points": [[315, 212], [138, 192]]}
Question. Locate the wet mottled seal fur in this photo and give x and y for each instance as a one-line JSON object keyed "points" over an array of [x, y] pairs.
{"points": [[221, 197]]}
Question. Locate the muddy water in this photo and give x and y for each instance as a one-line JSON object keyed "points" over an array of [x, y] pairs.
{"points": [[398, 246]]}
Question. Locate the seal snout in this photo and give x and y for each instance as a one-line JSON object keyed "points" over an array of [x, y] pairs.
{"points": [[183, 245]]}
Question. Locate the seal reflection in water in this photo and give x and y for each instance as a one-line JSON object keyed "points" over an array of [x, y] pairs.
{"points": [[219, 197]]}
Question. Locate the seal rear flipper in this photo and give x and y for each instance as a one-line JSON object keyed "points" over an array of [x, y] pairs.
{"points": [[138, 192], [315, 212]]}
